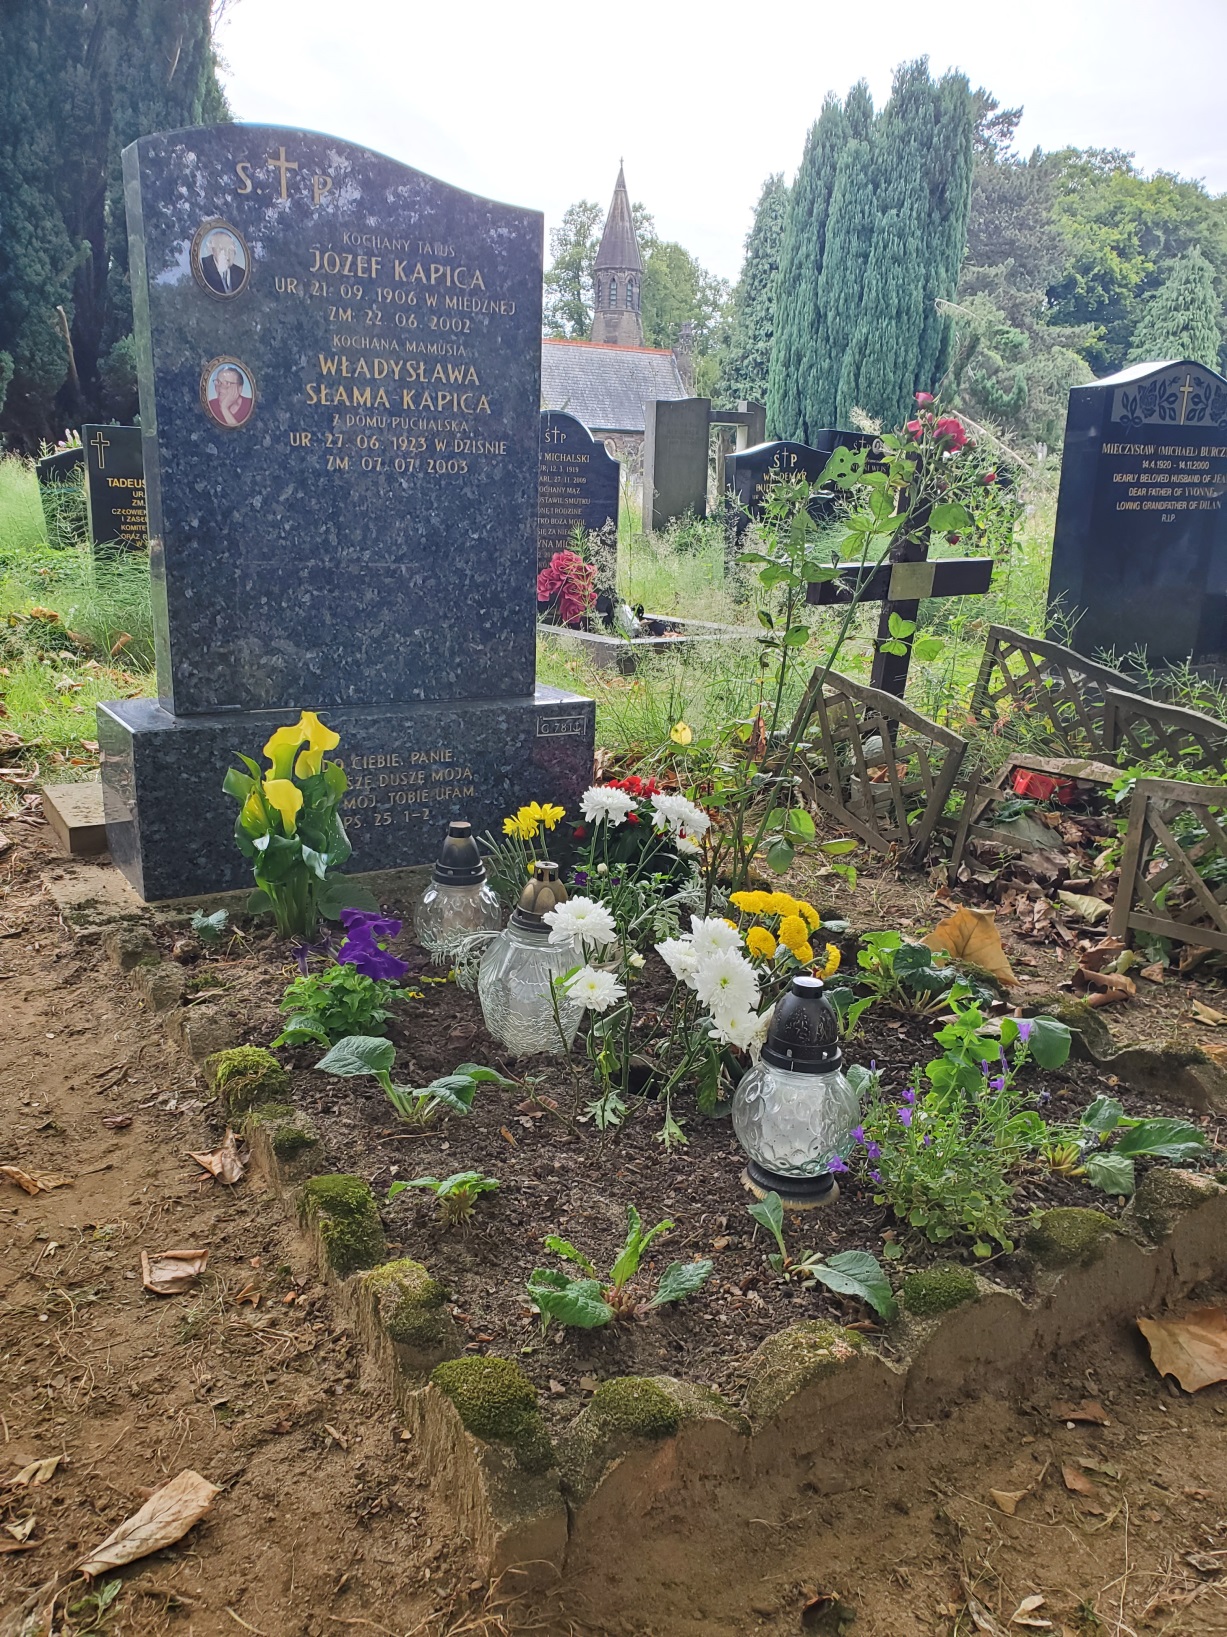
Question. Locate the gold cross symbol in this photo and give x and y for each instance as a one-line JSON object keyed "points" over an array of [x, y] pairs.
{"points": [[101, 444], [282, 164], [1186, 392]]}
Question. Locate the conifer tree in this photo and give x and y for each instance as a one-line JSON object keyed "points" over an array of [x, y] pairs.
{"points": [[1181, 319], [79, 80], [749, 358]]}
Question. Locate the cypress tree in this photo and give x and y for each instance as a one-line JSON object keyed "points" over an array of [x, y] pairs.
{"points": [[793, 356], [1181, 318], [79, 80], [850, 234], [749, 358]]}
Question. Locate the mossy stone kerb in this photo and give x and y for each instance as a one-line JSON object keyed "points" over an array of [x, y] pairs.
{"points": [[243, 1076], [935, 1290], [1069, 1236], [497, 1403], [342, 1211], [792, 1358], [410, 1304]]}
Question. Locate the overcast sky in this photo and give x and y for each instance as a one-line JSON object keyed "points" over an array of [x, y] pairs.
{"points": [[535, 103]]}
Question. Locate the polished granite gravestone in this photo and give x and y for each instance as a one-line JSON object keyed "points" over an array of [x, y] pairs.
{"points": [[1140, 553], [579, 484], [56, 474], [748, 472], [339, 367], [115, 487]]}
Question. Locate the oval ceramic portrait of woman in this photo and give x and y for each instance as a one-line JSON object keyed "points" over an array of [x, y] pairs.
{"points": [[220, 259], [227, 392]]}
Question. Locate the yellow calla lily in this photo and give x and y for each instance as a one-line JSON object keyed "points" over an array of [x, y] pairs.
{"points": [[286, 797], [319, 739], [282, 748], [252, 817]]}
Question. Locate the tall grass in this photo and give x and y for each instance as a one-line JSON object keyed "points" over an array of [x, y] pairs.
{"points": [[22, 527]]}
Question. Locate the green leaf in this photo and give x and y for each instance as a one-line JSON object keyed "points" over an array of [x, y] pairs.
{"points": [[300, 1030], [236, 784], [949, 518], [797, 637], [577, 1302], [837, 848], [679, 1280], [892, 1250], [899, 648], [482, 1076], [453, 1091], [563, 1247], [1164, 1139], [780, 857], [1112, 1172], [258, 902], [816, 574], [359, 1054], [210, 928], [768, 1212], [764, 618], [316, 861], [1049, 1043], [799, 823], [857, 1273], [340, 892], [1102, 1116], [927, 648], [899, 627]]}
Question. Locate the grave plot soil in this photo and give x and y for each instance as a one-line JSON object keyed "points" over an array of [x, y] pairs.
{"points": [[312, 1534]]}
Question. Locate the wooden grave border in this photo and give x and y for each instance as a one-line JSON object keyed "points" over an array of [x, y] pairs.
{"points": [[1051, 686], [1154, 813]]}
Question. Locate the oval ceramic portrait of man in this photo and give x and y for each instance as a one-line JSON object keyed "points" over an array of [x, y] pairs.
{"points": [[220, 259], [227, 392]]}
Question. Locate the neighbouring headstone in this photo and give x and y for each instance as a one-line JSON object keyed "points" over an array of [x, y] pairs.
{"points": [[748, 472], [579, 484], [1140, 553], [115, 487], [62, 467], [339, 366], [59, 489]]}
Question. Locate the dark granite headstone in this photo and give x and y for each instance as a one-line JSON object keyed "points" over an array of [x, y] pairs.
{"points": [[1140, 554], [579, 484], [748, 471], [62, 467], [339, 365], [59, 477], [115, 486]]}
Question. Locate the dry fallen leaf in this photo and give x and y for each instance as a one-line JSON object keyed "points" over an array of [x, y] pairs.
{"points": [[1024, 1614], [117, 1122], [1192, 1348], [980, 1616], [35, 1182], [1152, 974], [1103, 988], [1078, 1483], [1217, 1052], [22, 1530], [1087, 1410], [38, 1472], [224, 1162], [971, 935], [168, 1272], [166, 1517], [1204, 1562], [1006, 1500], [337, 1437], [1089, 909], [1207, 1014]]}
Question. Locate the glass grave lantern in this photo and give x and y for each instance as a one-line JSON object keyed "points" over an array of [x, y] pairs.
{"points": [[515, 984], [459, 901], [794, 1111]]}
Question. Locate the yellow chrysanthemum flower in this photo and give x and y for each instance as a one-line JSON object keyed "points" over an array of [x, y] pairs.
{"points": [[286, 797], [751, 903], [527, 821], [781, 903], [832, 965], [793, 933], [804, 953], [760, 942], [812, 918]]}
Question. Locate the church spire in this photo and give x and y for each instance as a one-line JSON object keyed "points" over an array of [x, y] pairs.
{"points": [[617, 275]]}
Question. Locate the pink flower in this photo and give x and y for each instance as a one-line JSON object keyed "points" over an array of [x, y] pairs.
{"points": [[949, 426], [915, 428], [989, 477], [924, 398]]}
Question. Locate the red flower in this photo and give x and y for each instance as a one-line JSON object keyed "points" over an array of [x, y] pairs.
{"points": [[953, 539], [949, 426], [915, 428], [579, 831], [924, 398], [572, 581], [989, 477], [632, 818]]}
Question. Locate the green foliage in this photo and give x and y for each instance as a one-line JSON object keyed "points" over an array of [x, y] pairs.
{"points": [[1079, 1150], [872, 243], [457, 1195], [368, 1054], [907, 977], [849, 1273], [210, 929], [1182, 318], [588, 1303], [748, 360], [568, 279], [78, 82], [339, 1001]]}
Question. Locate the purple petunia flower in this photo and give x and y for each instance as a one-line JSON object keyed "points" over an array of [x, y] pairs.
{"points": [[858, 1135], [579, 878], [380, 928], [905, 1116], [1044, 1098], [875, 1176], [873, 1150], [363, 948], [836, 1164]]}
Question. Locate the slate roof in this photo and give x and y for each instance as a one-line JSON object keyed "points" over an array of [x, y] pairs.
{"points": [[606, 387], [619, 248]]}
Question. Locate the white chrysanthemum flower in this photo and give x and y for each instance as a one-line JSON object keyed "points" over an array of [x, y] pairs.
{"points": [[679, 815], [679, 956], [741, 1029], [600, 803], [713, 936], [726, 983], [637, 961], [686, 846], [581, 918], [594, 989]]}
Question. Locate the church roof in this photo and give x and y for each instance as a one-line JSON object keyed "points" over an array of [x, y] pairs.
{"points": [[606, 387], [619, 247]]}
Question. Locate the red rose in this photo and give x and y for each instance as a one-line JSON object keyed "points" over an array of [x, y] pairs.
{"points": [[949, 426], [989, 477], [579, 831], [915, 428], [632, 818], [924, 398]]}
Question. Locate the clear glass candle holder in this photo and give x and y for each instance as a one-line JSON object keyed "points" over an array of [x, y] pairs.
{"points": [[515, 984], [459, 901]]}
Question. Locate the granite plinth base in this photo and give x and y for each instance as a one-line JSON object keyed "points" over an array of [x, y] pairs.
{"points": [[411, 768]]}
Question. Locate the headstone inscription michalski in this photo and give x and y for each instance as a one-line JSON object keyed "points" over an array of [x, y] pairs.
{"points": [[115, 486], [1140, 554], [339, 367], [579, 484]]}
